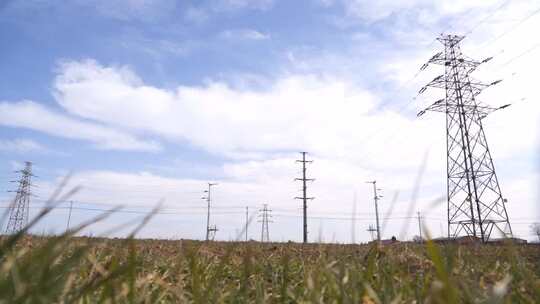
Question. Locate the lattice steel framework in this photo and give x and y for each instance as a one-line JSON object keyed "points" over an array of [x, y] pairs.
{"points": [[475, 203], [19, 209], [265, 219]]}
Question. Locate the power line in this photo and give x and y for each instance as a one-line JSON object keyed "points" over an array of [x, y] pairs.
{"points": [[487, 17], [183, 207], [520, 55], [511, 29]]}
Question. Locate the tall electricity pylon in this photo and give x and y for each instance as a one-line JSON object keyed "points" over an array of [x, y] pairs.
{"points": [[19, 209], [304, 197], [475, 202], [265, 219], [210, 231]]}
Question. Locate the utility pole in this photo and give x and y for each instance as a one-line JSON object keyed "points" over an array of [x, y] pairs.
{"points": [[247, 222], [420, 225], [69, 215], [265, 215], [208, 199], [376, 198], [475, 202], [353, 224], [304, 197], [19, 209]]}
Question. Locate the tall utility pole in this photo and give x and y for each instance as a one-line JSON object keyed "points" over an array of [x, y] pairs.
{"points": [[208, 198], [304, 197], [265, 219], [19, 209], [475, 202], [247, 222], [376, 198], [419, 225]]}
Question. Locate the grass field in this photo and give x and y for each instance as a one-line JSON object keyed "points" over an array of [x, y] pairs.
{"points": [[70, 269], [87, 270]]}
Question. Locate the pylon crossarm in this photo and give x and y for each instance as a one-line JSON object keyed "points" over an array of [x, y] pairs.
{"points": [[437, 106], [439, 59]]}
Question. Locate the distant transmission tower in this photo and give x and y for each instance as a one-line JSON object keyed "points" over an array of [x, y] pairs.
{"points": [[372, 231], [475, 202], [19, 209], [419, 217], [247, 222], [304, 197], [265, 219], [210, 231]]}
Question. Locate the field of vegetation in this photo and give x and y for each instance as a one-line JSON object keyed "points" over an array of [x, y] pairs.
{"points": [[71, 269], [88, 270]]}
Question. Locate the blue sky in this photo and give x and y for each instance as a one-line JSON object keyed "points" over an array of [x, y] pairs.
{"points": [[146, 100]]}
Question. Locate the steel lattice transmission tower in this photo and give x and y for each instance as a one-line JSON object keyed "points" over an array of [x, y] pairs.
{"points": [[475, 203], [265, 219], [19, 209]]}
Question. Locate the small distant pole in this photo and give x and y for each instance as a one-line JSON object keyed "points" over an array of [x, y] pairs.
{"points": [[376, 198], [419, 224], [371, 230], [69, 215], [247, 222], [208, 199], [353, 226]]}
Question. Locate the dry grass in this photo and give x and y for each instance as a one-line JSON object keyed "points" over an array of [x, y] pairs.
{"points": [[73, 269]]}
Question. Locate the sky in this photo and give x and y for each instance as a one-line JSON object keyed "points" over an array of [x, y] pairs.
{"points": [[144, 102]]}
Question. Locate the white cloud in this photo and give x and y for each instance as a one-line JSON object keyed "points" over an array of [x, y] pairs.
{"points": [[428, 11], [145, 10], [246, 4], [325, 115], [244, 34], [31, 115], [21, 145], [196, 15]]}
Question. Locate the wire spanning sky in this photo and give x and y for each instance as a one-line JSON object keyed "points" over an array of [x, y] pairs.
{"points": [[146, 101]]}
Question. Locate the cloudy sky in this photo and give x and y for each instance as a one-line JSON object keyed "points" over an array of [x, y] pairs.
{"points": [[147, 101]]}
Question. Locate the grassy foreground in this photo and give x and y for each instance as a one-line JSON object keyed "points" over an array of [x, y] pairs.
{"points": [[84, 270]]}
